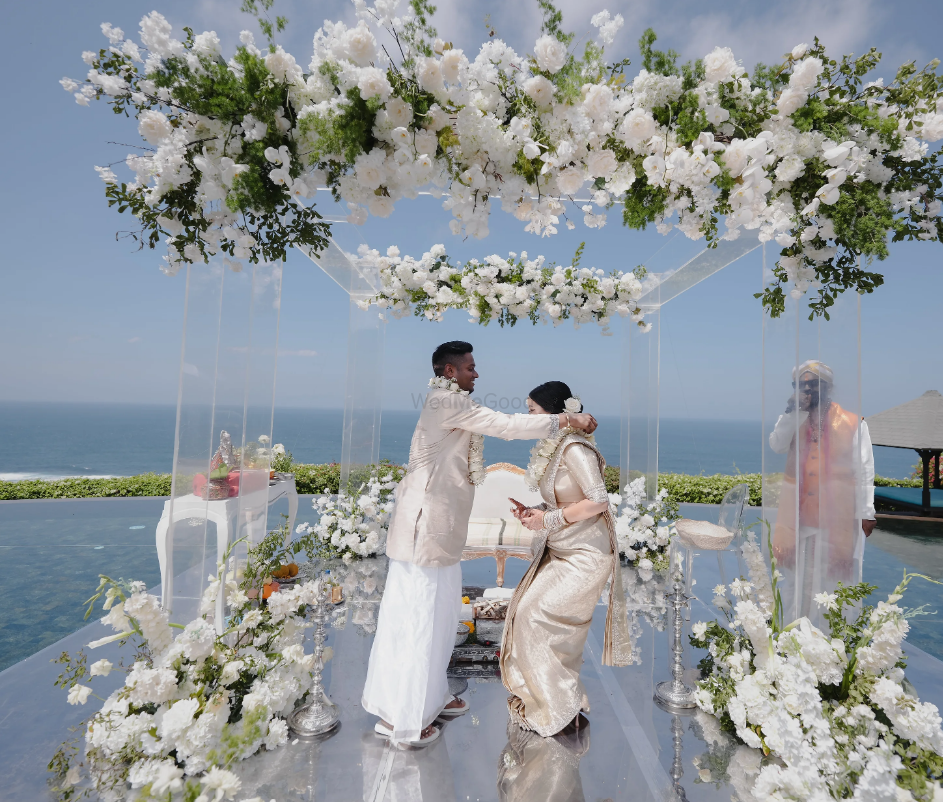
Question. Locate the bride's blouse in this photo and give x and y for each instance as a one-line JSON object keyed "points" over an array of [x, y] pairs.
{"points": [[578, 477]]}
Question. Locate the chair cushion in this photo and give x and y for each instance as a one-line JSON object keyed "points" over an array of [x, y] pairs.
{"points": [[494, 532]]}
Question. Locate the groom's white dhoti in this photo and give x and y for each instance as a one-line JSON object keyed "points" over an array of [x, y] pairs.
{"points": [[406, 680]]}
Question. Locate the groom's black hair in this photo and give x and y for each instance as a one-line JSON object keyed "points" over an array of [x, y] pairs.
{"points": [[446, 354], [552, 396]]}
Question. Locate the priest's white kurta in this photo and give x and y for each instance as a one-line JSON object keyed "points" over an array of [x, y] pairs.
{"points": [[406, 682]]}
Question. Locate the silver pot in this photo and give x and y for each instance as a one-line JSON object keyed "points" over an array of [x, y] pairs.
{"points": [[461, 634]]}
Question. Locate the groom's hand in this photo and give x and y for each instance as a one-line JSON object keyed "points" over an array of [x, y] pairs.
{"points": [[584, 421]]}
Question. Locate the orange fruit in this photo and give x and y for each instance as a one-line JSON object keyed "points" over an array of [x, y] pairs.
{"points": [[269, 589], [292, 569]]}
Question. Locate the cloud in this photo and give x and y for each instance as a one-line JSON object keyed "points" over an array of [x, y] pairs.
{"points": [[298, 353], [135, 340]]}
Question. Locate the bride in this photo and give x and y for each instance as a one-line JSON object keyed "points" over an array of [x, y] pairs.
{"points": [[575, 554]]}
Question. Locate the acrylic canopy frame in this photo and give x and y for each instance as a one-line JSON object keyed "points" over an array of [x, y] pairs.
{"points": [[228, 368], [640, 353]]}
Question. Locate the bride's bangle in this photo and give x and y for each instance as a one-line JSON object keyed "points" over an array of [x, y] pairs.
{"points": [[553, 520]]}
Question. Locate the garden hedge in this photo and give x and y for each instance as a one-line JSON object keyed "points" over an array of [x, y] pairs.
{"points": [[311, 479]]}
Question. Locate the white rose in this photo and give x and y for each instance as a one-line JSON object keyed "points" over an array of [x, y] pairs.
{"points": [[805, 74], [380, 206], [597, 101], [399, 112], [790, 168], [639, 126], [206, 44], [372, 82], [283, 66], [154, 126], [800, 50], [601, 163], [550, 53], [426, 142], [540, 90], [735, 157], [570, 180], [452, 63], [572, 405], [430, 75], [360, 45], [932, 129], [720, 65], [790, 100]]}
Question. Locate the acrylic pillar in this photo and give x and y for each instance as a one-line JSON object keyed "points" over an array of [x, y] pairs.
{"points": [[817, 464], [360, 445], [640, 387], [220, 481], [680, 265]]}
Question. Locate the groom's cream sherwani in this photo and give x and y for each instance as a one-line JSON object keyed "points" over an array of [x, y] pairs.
{"points": [[434, 500]]}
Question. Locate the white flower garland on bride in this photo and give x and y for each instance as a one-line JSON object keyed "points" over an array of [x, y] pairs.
{"points": [[476, 446], [541, 455]]}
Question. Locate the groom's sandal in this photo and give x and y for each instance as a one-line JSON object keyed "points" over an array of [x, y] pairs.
{"points": [[387, 732], [452, 712]]}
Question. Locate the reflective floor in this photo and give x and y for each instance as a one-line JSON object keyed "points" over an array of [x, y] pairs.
{"points": [[631, 749]]}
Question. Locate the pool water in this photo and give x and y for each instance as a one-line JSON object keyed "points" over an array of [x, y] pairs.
{"points": [[51, 553]]}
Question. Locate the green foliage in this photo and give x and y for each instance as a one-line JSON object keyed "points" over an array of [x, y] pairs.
{"points": [[282, 463], [146, 484], [552, 21], [314, 479], [664, 62], [268, 25]]}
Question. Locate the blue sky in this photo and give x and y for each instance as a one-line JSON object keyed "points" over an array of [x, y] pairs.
{"points": [[88, 318]]}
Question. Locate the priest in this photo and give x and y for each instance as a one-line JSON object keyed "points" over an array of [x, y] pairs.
{"points": [[826, 502]]}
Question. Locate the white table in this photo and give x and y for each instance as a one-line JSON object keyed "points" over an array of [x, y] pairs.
{"points": [[244, 515]]}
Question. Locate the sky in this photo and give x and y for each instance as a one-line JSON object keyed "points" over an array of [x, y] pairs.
{"points": [[86, 317]]}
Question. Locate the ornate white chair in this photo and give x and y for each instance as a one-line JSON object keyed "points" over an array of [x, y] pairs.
{"points": [[492, 530]]}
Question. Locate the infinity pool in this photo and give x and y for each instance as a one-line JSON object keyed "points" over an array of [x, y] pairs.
{"points": [[51, 553]]}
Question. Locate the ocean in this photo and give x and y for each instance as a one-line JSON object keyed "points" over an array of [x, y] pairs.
{"points": [[53, 440]]}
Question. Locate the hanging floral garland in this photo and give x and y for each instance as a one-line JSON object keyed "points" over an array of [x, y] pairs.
{"points": [[826, 164], [503, 289]]}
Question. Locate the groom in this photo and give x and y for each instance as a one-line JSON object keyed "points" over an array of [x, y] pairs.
{"points": [[406, 683]]}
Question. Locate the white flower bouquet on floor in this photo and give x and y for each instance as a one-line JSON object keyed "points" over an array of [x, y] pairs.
{"points": [[356, 525], [834, 710], [192, 705], [644, 531]]}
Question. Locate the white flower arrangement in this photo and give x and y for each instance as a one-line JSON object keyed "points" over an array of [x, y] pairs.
{"points": [[503, 289], [236, 147], [353, 526], [644, 531], [476, 445], [442, 383], [541, 455], [190, 706], [832, 709]]}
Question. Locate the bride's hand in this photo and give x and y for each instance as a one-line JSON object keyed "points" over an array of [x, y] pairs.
{"points": [[532, 519]]}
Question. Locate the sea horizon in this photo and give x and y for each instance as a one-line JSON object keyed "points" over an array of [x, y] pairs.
{"points": [[54, 440]]}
